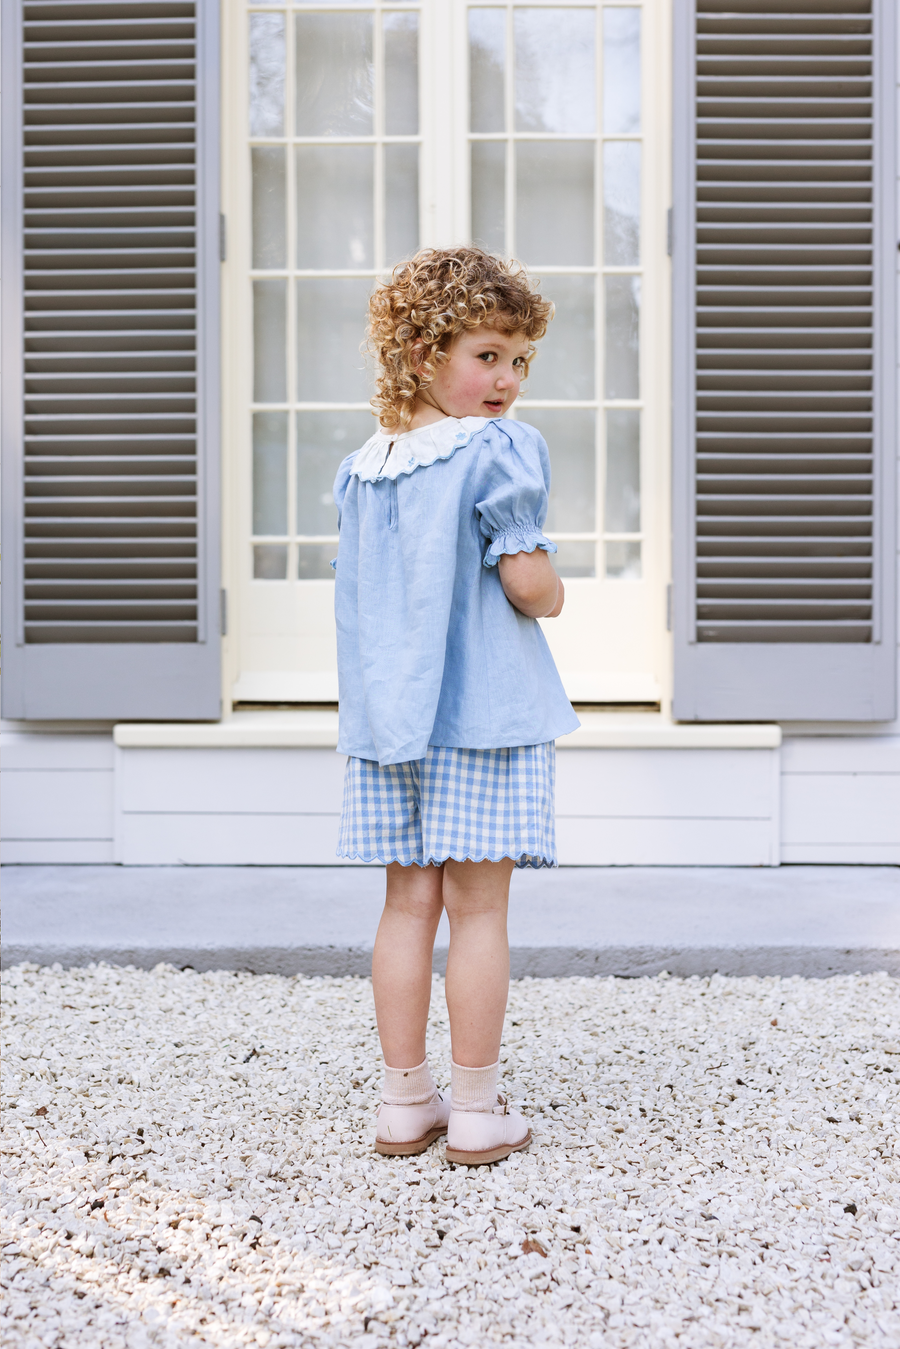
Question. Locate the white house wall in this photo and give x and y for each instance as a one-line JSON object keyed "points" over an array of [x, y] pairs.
{"points": [[67, 798], [840, 799], [57, 797]]}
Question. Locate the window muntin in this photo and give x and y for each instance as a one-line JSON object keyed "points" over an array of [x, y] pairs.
{"points": [[335, 148], [555, 160]]}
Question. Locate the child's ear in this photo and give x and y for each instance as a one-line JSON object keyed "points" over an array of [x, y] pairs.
{"points": [[417, 353]]}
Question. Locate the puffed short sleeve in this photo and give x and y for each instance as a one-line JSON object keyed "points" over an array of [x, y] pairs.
{"points": [[513, 490], [339, 491], [342, 482]]}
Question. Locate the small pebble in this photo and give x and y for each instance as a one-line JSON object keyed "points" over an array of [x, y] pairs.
{"points": [[188, 1162]]}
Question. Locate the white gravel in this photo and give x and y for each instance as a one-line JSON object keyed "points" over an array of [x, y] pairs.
{"points": [[187, 1162]]}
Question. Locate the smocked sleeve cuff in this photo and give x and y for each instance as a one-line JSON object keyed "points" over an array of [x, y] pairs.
{"points": [[521, 539]]}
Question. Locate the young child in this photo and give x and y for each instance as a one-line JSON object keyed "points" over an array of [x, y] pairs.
{"points": [[450, 702]]}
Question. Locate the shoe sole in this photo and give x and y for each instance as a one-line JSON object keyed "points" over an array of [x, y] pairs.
{"points": [[489, 1155], [412, 1147]]}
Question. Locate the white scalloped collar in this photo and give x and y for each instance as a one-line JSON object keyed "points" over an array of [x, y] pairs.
{"points": [[388, 454]]}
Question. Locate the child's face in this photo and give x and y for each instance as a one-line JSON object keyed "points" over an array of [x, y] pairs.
{"points": [[483, 374]]}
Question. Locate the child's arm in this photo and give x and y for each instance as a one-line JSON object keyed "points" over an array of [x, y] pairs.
{"points": [[531, 585]]}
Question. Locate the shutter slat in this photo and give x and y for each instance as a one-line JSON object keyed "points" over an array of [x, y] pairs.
{"points": [[110, 369], [784, 360], [800, 144]]}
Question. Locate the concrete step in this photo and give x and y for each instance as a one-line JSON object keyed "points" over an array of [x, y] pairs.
{"points": [[627, 921]]}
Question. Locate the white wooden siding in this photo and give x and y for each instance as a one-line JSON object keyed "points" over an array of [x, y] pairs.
{"points": [[817, 799], [841, 799], [57, 798]]}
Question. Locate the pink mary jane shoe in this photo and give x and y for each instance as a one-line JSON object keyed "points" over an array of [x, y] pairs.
{"points": [[475, 1137], [406, 1129]]}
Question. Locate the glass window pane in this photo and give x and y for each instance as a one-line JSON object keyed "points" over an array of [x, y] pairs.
{"points": [[569, 433], [555, 70], [335, 210], [555, 203], [331, 327], [622, 508], [323, 440], [623, 300], [266, 74], [623, 560], [269, 332], [314, 561], [334, 74], [564, 365], [270, 449], [270, 561], [621, 69], [489, 195], [621, 203], [267, 165], [401, 201], [575, 557], [487, 61], [401, 74]]}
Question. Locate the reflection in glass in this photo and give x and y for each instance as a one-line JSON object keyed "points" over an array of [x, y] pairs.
{"points": [[269, 229], [401, 74], [555, 70], [331, 326], [269, 331], [487, 59], [401, 201], [270, 449], [623, 299], [555, 203], [564, 365], [334, 205], [323, 440], [621, 203], [621, 69], [266, 74], [334, 74], [575, 557], [569, 433], [314, 561], [623, 560], [489, 195], [270, 561], [622, 509]]}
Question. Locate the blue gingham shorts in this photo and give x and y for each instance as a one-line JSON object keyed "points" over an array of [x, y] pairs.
{"points": [[468, 804]]}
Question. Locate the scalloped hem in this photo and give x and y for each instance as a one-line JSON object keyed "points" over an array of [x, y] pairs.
{"points": [[502, 547], [522, 860]]}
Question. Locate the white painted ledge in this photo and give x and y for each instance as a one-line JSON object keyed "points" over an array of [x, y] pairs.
{"points": [[242, 730], [319, 730], [617, 730]]}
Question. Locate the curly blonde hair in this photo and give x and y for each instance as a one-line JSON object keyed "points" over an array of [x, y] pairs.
{"points": [[436, 295]]}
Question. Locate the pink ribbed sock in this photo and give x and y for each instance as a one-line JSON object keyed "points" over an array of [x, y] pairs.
{"points": [[408, 1086], [474, 1089]]}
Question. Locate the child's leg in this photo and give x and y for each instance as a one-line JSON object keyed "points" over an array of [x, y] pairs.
{"points": [[481, 1127], [401, 961], [476, 896]]}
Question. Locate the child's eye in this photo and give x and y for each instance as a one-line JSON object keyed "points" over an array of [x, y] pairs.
{"points": [[520, 362], [487, 356]]}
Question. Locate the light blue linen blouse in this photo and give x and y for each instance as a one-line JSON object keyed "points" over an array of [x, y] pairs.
{"points": [[430, 650]]}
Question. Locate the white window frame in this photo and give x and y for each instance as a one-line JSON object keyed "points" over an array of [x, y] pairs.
{"points": [[301, 643]]}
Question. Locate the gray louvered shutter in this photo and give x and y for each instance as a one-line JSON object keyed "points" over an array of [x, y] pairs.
{"points": [[110, 359], [784, 282]]}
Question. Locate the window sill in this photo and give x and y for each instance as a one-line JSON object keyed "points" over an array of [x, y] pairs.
{"points": [[318, 730]]}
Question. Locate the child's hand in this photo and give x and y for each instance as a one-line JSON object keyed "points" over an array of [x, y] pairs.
{"points": [[531, 585]]}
